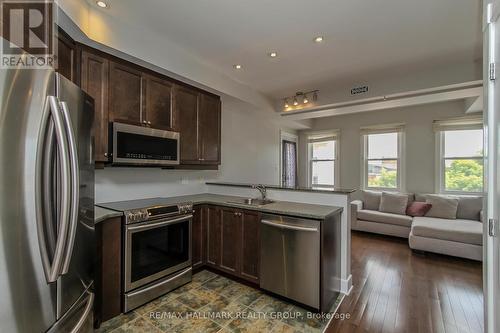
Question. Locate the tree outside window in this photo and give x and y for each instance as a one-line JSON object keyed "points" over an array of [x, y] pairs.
{"points": [[462, 161], [382, 160]]}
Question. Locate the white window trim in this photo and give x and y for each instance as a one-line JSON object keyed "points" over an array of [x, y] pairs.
{"points": [[401, 179], [336, 175], [287, 136], [440, 162]]}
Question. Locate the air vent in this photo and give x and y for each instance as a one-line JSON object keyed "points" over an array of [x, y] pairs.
{"points": [[359, 90]]}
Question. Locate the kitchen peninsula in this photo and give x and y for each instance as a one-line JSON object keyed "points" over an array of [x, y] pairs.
{"points": [[228, 233]]}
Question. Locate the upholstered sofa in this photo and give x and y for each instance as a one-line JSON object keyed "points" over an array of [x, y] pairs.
{"points": [[458, 232]]}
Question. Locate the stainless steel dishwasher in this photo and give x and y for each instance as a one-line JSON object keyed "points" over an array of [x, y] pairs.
{"points": [[290, 258]]}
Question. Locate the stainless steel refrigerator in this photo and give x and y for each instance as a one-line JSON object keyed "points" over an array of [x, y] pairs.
{"points": [[46, 204]]}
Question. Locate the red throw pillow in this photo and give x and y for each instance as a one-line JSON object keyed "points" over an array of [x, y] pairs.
{"points": [[417, 208]]}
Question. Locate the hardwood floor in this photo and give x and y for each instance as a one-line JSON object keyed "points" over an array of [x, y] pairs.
{"points": [[396, 290]]}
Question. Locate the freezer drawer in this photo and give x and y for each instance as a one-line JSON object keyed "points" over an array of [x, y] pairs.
{"points": [[290, 258], [79, 318]]}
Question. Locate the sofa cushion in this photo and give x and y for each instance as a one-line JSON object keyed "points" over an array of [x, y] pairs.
{"points": [[371, 200], [469, 207], [417, 208], [387, 218], [462, 231], [393, 203], [442, 206], [420, 197]]}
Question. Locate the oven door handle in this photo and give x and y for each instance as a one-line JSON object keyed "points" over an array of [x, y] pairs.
{"points": [[142, 227]]}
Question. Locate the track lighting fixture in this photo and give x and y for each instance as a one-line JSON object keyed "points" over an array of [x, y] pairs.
{"points": [[303, 97]]}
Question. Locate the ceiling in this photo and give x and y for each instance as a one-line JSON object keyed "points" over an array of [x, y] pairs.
{"points": [[360, 36]]}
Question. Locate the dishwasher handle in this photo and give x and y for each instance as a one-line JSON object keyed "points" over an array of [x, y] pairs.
{"points": [[288, 226]]}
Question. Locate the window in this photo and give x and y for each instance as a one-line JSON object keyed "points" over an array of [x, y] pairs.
{"points": [[461, 156], [288, 163], [322, 161], [382, 162]]}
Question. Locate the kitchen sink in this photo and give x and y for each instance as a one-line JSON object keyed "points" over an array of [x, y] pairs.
{"points": [[253, 202]]}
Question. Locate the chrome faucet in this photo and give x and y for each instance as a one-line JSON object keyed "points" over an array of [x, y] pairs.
{"points": [[262, 189]]}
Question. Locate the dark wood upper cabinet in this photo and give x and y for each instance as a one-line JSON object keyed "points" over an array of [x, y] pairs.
{"points": [[230, 239], [186, 110], [158, 103], [125, 94], [67, 56], [213, 223], [250, 246], [210, 129], [94, 81], [199, 124]]}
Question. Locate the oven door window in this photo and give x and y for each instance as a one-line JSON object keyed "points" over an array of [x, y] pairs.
{"points": [[159, 249]]}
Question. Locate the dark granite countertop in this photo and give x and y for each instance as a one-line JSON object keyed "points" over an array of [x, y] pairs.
{"points": [[310, 211], [288, 188], [101, 214]]}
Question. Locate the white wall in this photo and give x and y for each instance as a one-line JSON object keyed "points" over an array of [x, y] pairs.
{"points": [[419, 137], [250, 153]]}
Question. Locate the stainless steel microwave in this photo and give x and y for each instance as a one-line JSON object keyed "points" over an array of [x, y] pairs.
{"points": [[137, 145]]}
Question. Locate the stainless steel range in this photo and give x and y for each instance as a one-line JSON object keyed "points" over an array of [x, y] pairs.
{"points": [[156, 247]]}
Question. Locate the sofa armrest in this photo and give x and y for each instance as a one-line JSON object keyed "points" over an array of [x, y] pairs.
{"points": [[356, 205]]}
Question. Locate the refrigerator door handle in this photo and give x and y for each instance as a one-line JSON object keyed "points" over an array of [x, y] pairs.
{"points": [[75, 188], [52, 270], [83, 318]]}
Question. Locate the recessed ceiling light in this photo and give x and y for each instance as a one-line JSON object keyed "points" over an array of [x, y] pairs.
{"points": [[102, 4], [237, 66], [318, 39], [273, 54]]}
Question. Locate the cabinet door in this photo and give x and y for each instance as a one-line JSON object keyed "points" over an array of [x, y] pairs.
{"points": [[94, 76], [186, 110], [209, 128], [158, 103], [250, 246], [230, 240], [198, 238], [213, 236], [66, 56], [125, 94]]}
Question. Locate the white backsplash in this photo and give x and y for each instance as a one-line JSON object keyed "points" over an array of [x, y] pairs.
{"points": [[116, 184]]}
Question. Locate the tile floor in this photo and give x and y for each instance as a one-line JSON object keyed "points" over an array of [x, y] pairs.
{"points": [[213, 303]]}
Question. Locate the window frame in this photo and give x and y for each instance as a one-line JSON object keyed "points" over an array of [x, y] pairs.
{"points": [[400, 183], [441, 160], [328, 136]]}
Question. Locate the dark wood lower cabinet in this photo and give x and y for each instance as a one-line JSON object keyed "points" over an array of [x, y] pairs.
{"points": [[108, 282], [232, 241], [250, 246], [199, 237], [213, 223]]}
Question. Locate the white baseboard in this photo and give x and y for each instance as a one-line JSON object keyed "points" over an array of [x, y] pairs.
{"points": [[346, 285]]}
